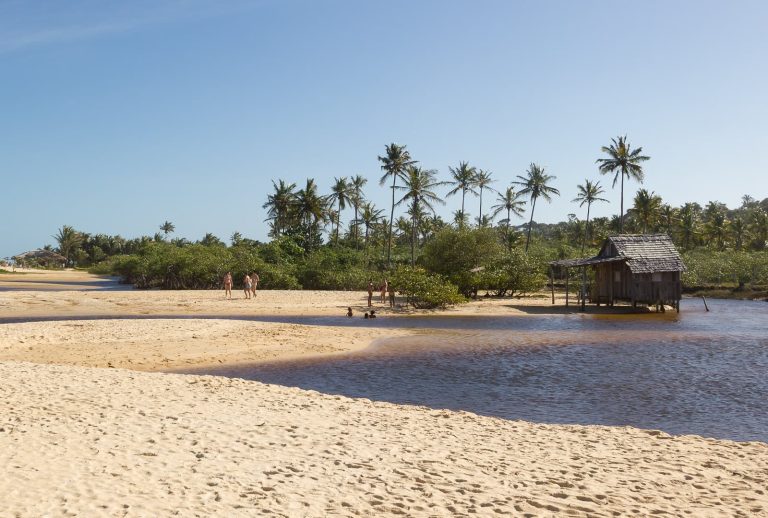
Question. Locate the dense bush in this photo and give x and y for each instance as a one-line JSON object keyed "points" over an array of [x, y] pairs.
{"points": [[424, 290], [512, 272], [456, 254], [711, 268], [335, 269]]}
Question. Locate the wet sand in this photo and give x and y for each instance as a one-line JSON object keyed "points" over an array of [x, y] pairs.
{"points": [[81, 440]]}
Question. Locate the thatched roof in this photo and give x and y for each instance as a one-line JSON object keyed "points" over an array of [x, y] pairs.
{"points": [[646, 253], [48, 255]]}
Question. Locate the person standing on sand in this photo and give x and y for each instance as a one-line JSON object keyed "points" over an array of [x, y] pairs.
{"points": [[391, 296], [370, 292], [384, 288], [228, 285], [255, 280], [247, 286]]}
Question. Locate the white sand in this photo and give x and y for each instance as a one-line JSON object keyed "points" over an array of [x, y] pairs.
{"points": [[88, 441], [77, 440]]}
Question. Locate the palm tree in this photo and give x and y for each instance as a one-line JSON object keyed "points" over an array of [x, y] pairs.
{"points": [[588, 193], [535, 185], [236, 238], [460, 219], [688, 224], [510, 201], [759, 228], [356, 197], [394, 164], [167, 228], [647, 208], [211, 240], [369, 216], [279, 205], [739, 231], [419, 185], [668, 217], [340, 194], [311, 208], [70, 241], [623, 161], [482, 181], [464, 180]]}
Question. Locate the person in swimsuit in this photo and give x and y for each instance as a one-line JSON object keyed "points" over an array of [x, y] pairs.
{"points": [[255, 283], [349, 312], [384, 288], [247, 286], [228, 285], [370, 292]]}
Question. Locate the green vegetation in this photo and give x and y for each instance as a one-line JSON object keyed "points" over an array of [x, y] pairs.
{"points": [[341, 240]]}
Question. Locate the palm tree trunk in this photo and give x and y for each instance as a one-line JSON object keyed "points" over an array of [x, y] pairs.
{"points": [[463, 194], [413, 237], [530, 225], [480, 217], [621, 218], [586, 230], [391, 217], [509, 216], [357, 241]]}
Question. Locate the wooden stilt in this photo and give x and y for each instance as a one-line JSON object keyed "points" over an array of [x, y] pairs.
{"points": [[567, 276], [583, 288], [552, 281]]}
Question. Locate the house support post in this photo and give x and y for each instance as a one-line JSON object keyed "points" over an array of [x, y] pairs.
{"points": [[552, 281], [567, 276], [583, 287]]}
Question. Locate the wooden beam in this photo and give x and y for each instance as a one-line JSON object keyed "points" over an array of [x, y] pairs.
{"points": [[552, 281]]}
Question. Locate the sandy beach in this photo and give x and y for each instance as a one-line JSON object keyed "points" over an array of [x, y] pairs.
{"points": [[79, 440]]}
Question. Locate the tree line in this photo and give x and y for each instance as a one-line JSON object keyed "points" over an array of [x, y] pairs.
{"points": [[308, 229]]}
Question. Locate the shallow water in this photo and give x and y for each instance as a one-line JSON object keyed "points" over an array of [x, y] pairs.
{"points": [[689, 373]]}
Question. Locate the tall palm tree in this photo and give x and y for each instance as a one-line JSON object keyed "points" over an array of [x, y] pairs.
{"points": [[482, 181], [463, 178], [394, 164], [356, 198], [311, 208], [167, 228], [759, 228], [279, 205], [70, 241], [419, 191], [340, 194], [510, 201], [588, 193], [622, 161], [535, 185]]}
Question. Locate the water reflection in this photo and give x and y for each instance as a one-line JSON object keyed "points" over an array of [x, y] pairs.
{"points": [[692, 373]]}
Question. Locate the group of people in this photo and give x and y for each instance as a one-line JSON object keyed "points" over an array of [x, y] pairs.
{"points": [[250, 284], [385, 289]]}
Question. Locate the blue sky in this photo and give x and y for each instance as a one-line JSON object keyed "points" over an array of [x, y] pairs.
{"points": [[117, 116]]}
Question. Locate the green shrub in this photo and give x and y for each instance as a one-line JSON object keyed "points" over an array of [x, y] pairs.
{"points": [[457, 254], [424, 290]]}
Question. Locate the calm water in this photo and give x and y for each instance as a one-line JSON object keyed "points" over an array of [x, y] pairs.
{"points": [[692, 373]]}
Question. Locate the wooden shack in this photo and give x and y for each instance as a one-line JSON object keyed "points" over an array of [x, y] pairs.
{"points": [[639, 269]]}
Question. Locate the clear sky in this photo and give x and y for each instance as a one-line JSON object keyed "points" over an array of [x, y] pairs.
{"points": [[116, 116]]}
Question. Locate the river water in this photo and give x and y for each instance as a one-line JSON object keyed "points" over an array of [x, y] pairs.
{"points": [[696, 372]]}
